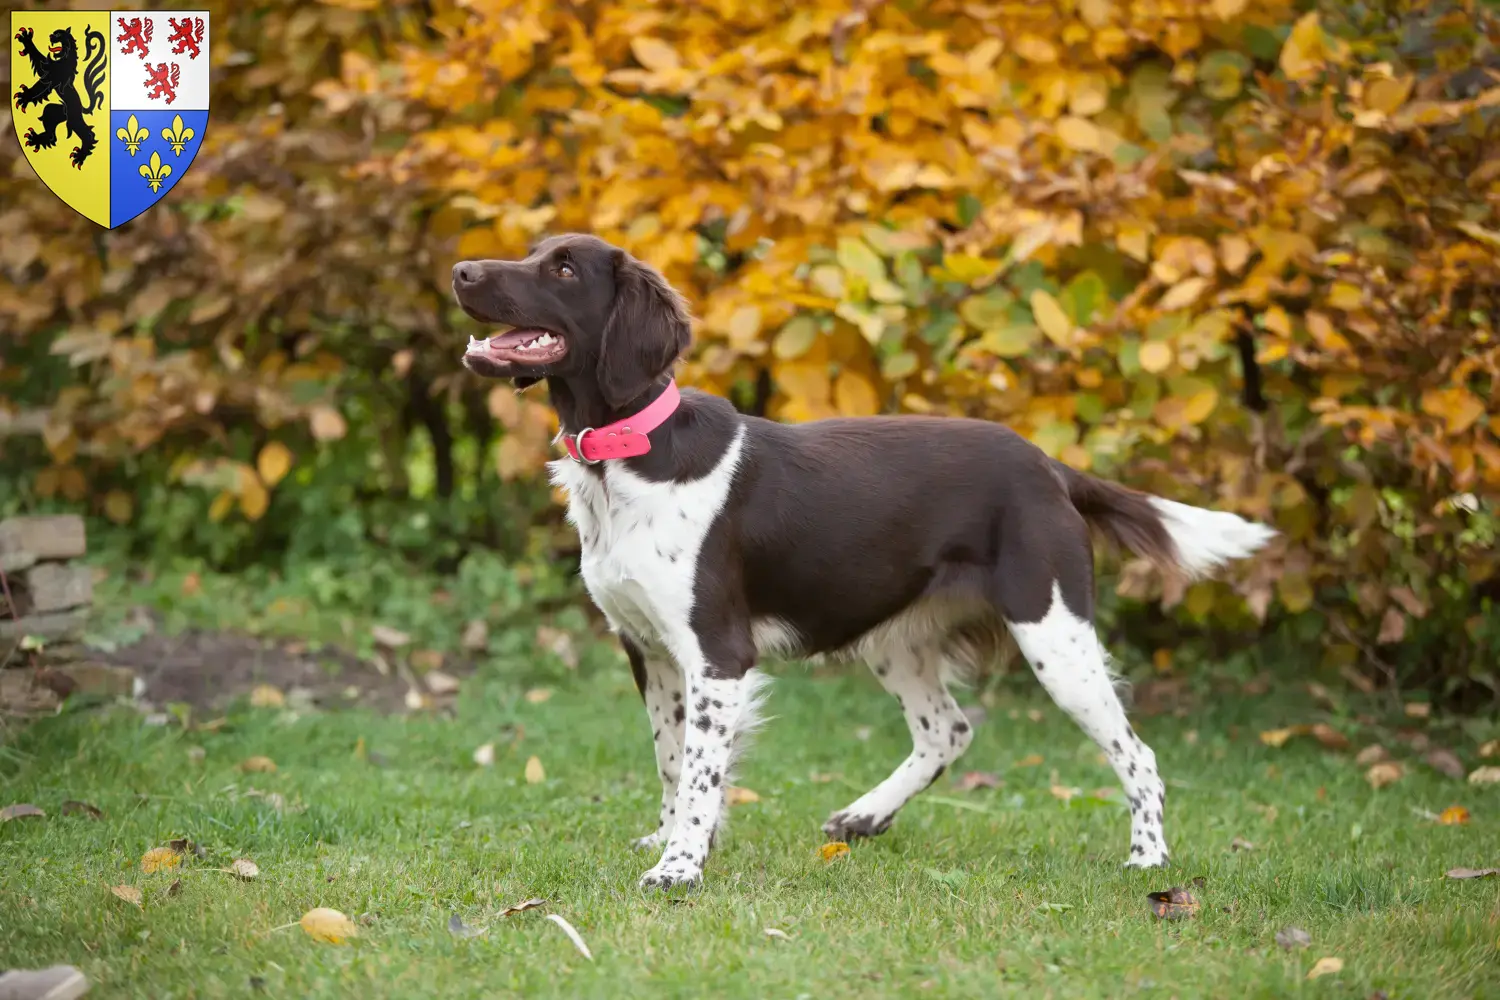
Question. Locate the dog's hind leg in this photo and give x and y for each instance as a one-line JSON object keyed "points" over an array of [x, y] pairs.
{"points": [[940, 733], [660, 684], [1064, 652]]}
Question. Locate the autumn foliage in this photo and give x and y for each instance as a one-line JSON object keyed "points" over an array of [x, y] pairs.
{"points": [[1241, 253]]}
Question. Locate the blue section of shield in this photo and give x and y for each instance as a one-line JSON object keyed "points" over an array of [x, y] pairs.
{"points": [[149, 157]]}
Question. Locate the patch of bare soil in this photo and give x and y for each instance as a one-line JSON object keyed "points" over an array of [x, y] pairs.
{"points": [[208, 670]]}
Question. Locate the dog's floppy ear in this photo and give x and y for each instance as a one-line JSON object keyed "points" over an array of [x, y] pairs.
{"points": [[647, 329]]}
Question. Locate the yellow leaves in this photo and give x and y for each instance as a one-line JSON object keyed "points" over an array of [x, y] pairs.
{"points": [[160, 859], [738, 796], [1079, 134], [119, 506], [326, 423], [1456, 406], [1183, 294], [964, 268], [1453, 816], [833, 850], [1155, 356], [1035, 49], [655, 54], [273, 462], [796, 338], [854, 395], [1326, 966], [535, 774], [1345, 296], [1473, 230], [1308, 49], [1051, 318], [258, 765], [327, 925], [1385, 773]]}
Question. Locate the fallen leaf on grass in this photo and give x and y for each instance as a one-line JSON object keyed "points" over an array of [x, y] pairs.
{"points": [[559, 644], [73, 807], [978, 779], [160, 859], [1328, 736], [391, 638], [535, 775], [1445, 762], [1173, 904], [572, 935], [440, 683], [267, 696], [1065, 793], [1462, 873], [1030, 760], [129, 893], [1278, 737], [780, 935], [243, 868], [1241, 844], [1325, 966], [476, 635], [1293, 937], [258, 765], [1490, 749], [484, 754], [19, 810], [1485, 776], [538, 695], [819, 778], [416, 701], [175, 888], [459, 929], [1453, 816], [523, 906], [324, 924], [1418, 709], [427, 660], [737, 796], [184, 846], [1385, 773], [1372, 754], [833, 850]]}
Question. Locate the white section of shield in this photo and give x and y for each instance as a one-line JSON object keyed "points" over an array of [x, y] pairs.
{"points": [[129, 74]]}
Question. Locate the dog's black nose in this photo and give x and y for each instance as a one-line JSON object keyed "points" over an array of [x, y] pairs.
{"points": [[465, 273]]}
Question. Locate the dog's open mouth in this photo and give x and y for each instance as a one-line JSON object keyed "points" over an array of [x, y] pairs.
{"points": [[530, 346]]}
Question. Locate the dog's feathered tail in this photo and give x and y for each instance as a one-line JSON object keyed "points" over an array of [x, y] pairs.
{"points": [[1176, 537]]}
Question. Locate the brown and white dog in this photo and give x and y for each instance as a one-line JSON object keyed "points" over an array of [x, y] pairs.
{"points": [[710, 539]]}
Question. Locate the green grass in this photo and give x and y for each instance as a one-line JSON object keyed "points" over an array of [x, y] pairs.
{"points": [[996, 892]]}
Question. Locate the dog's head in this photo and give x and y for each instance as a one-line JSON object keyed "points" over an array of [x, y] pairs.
{"points": [[578, 309]]}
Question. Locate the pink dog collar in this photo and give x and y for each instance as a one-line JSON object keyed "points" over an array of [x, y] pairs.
{"points": [[624, 438]]}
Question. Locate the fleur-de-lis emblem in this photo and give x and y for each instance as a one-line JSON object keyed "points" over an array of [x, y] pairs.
{"points": [[156, 171], [132, 135], [177, 135]]}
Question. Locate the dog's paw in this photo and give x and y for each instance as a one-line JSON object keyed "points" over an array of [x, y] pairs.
{"points": [[650, 842], [846, 825], [672, 873], [1142, 858]]}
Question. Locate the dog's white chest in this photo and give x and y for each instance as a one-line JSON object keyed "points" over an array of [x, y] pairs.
{"points": [[641, 539]]}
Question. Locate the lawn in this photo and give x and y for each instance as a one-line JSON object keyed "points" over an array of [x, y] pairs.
{"points": [[1007, 890]]}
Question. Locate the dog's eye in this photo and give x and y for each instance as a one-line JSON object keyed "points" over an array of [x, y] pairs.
{"points": [[565, 270]]}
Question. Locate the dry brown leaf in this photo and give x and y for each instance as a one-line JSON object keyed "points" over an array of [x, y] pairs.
{"points": [[538, 695], [535, 775], [1372, 754], [129, 893], [1329, 737], [476, 635], [1325, 966], [1241, 844], [484, 754], [559, 644], [1385, 773], [73, 807], [773, 932], [1485, 776], [1466, 873], [1445, 762], [1453, 816], [978, 779], [833, 850], [1065, 793], [737, 796], [160, 859], [243, 868], [427, 660], [267, 696], [258, 765], [19, 811], [523, 906], [327, 925], [391, 638], [1278, 737], [1173, 904], [1030, 760], [1490, 749], [440, 683], [1418, 709], [175, 888]]}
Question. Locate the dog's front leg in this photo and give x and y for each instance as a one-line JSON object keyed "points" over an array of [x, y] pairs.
{"points": [[721, 701], [659, 681]]}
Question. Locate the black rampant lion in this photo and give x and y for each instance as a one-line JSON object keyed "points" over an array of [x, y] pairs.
{"points": [[56, 76]]}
